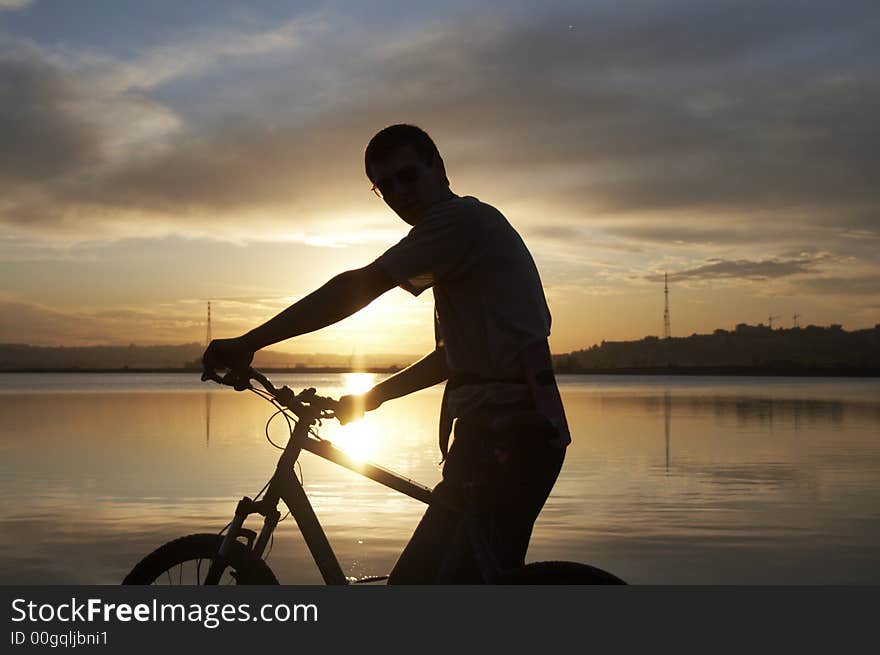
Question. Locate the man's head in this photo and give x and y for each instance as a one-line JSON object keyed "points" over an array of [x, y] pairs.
{"points": [[406, 169]]}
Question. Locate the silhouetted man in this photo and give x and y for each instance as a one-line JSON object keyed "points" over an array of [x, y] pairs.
{"points": [[491, 329]]}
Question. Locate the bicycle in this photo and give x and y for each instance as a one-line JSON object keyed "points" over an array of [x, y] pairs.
{"points": [[225, 557]]}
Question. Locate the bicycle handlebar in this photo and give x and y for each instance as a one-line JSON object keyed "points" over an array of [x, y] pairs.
{"points": [[306, 404]]}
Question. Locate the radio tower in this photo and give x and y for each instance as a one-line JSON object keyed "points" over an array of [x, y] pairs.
{"points": [[208, 335], [666, 331]]}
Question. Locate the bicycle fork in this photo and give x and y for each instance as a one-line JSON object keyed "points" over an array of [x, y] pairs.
{"points": [[242, 511], [283, 486]]}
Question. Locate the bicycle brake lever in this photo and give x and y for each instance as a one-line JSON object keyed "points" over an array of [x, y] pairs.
{"points": [[241, 384], [229, 379]]}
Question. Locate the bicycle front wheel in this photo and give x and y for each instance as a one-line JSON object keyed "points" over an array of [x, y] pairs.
{"points": [[559, 573], [186, 561]]}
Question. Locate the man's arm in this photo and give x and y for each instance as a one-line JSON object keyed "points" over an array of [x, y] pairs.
{"points": [[337, 299], [428, 371]]}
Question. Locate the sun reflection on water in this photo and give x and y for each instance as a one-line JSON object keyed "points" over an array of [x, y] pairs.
{"points": [[359, 439]]}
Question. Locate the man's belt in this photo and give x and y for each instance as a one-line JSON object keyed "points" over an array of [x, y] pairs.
{"points": [[537, 366]]}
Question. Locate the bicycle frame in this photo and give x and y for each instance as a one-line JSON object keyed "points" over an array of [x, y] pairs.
{"points": [[285, 486]]}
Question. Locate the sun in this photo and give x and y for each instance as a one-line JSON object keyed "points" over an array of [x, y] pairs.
{"points": [[356, 383], [360, 439]]}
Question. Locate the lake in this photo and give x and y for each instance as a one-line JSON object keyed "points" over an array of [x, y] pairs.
{"points": [[669, 480]]}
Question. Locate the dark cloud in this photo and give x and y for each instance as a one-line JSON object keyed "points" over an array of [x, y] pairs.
{"points": [[734, 107], [721, 108], [42, 139], [861, 285], [742, 269], [565, 234], [706, 232], [862, 221], [59, 172], [558, 232], [241, 168]]}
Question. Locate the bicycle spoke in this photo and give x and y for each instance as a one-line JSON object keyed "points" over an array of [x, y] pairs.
{"points": [[226, 578], [161, 580]]}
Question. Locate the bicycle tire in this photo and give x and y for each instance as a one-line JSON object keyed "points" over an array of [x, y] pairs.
{"points": [[245, 566], [559, 573]]}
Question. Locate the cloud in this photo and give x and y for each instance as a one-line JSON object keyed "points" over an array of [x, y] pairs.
{"points": [[197, 53], [706, 231], [558, 232], [14, 5], [59, 133], [742, 269], [741, 109], [39, 324], [42, 139], [861, 285], [79, 160]]}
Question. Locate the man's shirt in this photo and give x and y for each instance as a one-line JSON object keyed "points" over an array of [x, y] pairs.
{"points": [[489, 302]]}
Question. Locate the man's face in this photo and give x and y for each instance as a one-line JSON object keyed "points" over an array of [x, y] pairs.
{"points": [[408, 185]]}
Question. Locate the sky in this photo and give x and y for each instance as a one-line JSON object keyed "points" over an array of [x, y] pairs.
{"points": [[157, 155]]}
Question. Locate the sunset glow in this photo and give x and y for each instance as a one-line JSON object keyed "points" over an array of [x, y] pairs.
{"points": [[357, 383], [217, 155]]}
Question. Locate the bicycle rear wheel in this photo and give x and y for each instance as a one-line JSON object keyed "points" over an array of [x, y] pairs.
{"points": [[559, 573], [186, 561]]}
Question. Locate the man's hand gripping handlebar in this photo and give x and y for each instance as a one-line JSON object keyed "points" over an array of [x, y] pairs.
{"points": [[306, 404]]}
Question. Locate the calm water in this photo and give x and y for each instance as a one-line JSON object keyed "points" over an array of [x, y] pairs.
{"points": [[669, 479]]}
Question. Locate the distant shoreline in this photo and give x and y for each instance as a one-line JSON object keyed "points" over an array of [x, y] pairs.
{"points": [[731, 371], [194, 371]]}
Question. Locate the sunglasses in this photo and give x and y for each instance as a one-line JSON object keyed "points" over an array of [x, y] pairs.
{"points": [[405, 176]]}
